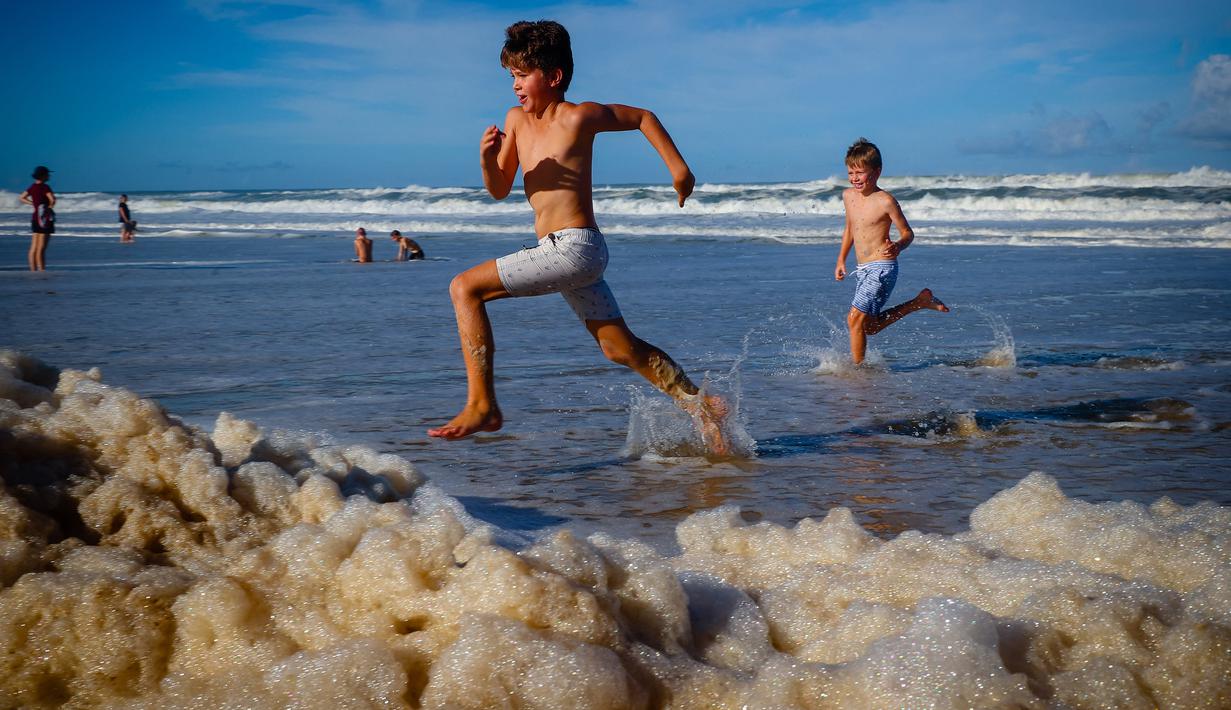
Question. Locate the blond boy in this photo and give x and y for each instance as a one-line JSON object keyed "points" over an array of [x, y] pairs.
{"points": [[869, 213], [551, 140]]}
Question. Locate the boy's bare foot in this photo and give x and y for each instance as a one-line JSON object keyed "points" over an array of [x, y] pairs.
{"points": [[469, 421], [709, 411], [927, 300]]}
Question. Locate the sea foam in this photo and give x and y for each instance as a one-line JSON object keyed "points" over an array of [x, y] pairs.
{"points": [[150, 564]]}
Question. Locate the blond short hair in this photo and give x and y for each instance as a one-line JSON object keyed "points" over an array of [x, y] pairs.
{"points": [[864, 153]]}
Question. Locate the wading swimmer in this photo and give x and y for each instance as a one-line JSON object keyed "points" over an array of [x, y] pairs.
{"points": [[408, 249], [869, 213], [363, 246], [551, 139]]}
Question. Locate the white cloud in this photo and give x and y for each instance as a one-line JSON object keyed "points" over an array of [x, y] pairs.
{"points": [[1211, 115]]}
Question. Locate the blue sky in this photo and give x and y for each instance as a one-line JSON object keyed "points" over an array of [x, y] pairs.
{"points": [[198, 94]]}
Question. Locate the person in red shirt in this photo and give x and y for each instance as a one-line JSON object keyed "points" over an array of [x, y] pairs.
{"points": [[42, 222]]}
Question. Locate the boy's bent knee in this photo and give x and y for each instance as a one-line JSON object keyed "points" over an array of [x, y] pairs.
{"points": [[461, 288], [617, 350], [481, 283], [617, 343], [856, 319], [623, 348]]}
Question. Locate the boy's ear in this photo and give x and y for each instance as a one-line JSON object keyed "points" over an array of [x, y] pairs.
{"points": [[555, 78]]}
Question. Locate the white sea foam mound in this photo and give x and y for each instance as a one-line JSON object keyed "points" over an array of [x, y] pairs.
{"points": [[148, 564]]}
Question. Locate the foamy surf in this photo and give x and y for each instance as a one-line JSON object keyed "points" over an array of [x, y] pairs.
{"points": [[149, 564], [1184, 209]]}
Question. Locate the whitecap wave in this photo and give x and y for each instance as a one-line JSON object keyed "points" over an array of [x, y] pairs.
{"points": [[1184, 209]]}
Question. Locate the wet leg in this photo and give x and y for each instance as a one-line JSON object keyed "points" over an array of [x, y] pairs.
{"points": [[38, 252], [857, 323], [924, 300], [470, 291], [622, 347]]}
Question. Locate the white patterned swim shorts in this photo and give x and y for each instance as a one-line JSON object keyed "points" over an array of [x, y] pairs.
{"points": [[568, 261]]}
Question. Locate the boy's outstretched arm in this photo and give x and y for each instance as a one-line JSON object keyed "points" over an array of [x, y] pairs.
{"points": [[498, 156], [618, 117]]}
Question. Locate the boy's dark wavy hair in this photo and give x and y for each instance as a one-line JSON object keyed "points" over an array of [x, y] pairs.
{"points": [[538, 45]]}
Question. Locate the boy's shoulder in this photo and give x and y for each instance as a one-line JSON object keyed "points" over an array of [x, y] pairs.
{"points": [[582, 111], [566, 110], [875, 202], [580, 116], [562, 106]]}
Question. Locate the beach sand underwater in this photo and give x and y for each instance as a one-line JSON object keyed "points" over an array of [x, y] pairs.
{"points": [[1022, 503]]}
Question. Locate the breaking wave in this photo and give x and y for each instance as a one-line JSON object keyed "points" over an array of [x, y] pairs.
{"points": [[1187, 209]]}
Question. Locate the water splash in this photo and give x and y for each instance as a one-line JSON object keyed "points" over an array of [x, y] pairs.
{"points": [[1003, 354], [657, 428]]}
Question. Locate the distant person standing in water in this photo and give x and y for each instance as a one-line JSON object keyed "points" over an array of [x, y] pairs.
{"points": [[363, 246], [128, 225], [408, 249], [43, 221]]}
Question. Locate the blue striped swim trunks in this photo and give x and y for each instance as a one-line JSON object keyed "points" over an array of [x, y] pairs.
{"points": [[874, 282]]}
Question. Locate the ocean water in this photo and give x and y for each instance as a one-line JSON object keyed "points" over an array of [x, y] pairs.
{"points": [[1069, 422]]}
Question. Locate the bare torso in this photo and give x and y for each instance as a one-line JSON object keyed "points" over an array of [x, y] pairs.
{"points": [[870, 219], [408, 248], [556, 157], [363, 250]]}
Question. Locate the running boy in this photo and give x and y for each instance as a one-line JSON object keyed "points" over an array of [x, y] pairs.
{"points": [[869, 212], [551, 139]]}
